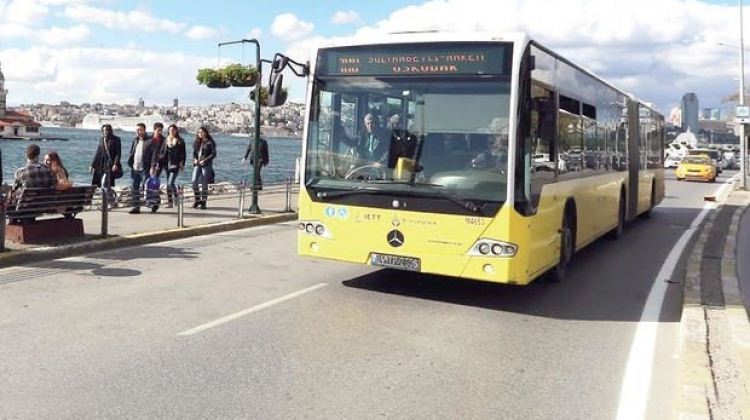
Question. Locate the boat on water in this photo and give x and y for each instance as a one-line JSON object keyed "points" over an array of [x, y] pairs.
{"points": [[122, 123]]}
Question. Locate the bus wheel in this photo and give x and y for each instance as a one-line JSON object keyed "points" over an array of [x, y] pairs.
{"points": [[617, 232], [647, 213], [560, 271]]}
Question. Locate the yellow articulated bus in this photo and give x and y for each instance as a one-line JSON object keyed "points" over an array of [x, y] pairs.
{"points": [[477, 156]]}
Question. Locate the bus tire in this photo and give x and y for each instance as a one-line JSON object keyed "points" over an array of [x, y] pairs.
{"points": [[617, 232], [647, 213], [567, 246]]}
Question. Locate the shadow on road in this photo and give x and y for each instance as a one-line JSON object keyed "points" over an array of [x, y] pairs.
{"points": [[608, 280]]}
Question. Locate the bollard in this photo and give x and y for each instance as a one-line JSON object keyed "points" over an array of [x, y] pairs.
{"points": [[105, 209], [241, 210], [2, 221], [288, 206], [180, 206]]}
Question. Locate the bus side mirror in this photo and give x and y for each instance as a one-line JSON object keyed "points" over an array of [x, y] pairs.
{"points": [[275, 95], [280, 63]]}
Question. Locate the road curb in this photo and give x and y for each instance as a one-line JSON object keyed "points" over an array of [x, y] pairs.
{"points": [[12, 258], [715, 340]]}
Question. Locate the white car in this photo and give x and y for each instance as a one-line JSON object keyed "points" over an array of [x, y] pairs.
{"points": [[672, 161]]}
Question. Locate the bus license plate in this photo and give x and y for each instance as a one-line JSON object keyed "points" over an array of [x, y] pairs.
{"points": [[395, 261]]}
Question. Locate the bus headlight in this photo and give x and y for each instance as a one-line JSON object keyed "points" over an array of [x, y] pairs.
{"points": [[492, 248], [314, 228]]}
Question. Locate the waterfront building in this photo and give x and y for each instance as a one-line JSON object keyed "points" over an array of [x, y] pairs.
{"points": [[689, 107], [15, 124]]}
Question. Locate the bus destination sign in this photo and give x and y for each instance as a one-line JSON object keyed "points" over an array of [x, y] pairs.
{"points": [[395, 60]]}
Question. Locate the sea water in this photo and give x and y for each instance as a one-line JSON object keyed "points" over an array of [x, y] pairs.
{"points": [[78, 152]]}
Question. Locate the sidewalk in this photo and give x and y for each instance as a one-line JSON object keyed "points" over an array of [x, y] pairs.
{"points": [[126, 229], [715, 330]]}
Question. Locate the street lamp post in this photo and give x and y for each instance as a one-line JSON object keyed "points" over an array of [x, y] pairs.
{"points": [[743, 142], [254, 208]]}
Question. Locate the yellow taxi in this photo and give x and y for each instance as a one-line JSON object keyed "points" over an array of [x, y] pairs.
{"points": [[697, 167]]}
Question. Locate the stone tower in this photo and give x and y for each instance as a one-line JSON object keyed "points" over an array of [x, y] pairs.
{"points": [[3, 93]]}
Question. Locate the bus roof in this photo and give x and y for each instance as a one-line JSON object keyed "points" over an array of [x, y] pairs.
{"points": [[411, 37]]}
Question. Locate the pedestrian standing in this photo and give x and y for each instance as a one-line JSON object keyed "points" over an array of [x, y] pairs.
{"points": [[139, 160], [106, 161], [157, 141], [264, 157], [174, 155], [204, 153]]}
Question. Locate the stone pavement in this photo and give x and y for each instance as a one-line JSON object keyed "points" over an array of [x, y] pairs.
{"points": [[126, 229], [715, 331]]}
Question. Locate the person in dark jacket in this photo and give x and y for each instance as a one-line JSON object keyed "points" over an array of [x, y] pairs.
{"points": [[107, 158], [157, 139], [264, 157], [204, 153], [173, 160], [142, 154]]}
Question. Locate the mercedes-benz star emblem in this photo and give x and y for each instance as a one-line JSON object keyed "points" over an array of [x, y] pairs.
{"points": [[395, 238]]}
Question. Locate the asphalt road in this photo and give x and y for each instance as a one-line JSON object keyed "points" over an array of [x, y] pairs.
{"points": [[98, 337]]}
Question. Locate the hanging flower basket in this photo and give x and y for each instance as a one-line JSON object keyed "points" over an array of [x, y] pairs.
{"points": [[241, 76], [264, 96], [215, 79]]}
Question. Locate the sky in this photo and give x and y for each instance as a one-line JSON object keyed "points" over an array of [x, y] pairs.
{"points": [[116, 51]]}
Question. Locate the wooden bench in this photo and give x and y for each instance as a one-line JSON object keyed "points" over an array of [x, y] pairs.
{"points": [[23, 209]]}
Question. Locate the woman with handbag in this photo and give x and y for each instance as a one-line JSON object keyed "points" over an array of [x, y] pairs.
{"points": [[173, 156], [204, 153], [107, 158]]}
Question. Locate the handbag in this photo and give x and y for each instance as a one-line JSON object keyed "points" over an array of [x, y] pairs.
{"points": [[117, 172]]}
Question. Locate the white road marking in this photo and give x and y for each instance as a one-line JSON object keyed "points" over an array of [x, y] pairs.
{"points": [[636, 383], [248, 311]]}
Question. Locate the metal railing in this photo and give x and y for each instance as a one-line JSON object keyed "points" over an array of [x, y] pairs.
{"points": [[106, 201]]}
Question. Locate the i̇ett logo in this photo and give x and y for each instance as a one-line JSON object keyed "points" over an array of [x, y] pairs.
{"points": [[395, 238]]}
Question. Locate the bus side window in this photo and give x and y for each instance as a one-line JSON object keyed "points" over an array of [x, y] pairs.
{"points": [[542, 135]]}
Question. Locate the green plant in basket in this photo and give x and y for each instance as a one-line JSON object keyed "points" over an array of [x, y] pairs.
{"points": [[241, 76], [215, 79]]}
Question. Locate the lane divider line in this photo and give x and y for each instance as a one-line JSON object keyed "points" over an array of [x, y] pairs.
{"points": [[249, 311], [636, 383]]}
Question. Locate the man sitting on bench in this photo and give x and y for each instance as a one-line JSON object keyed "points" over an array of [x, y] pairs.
{"points": [[34, 174]]}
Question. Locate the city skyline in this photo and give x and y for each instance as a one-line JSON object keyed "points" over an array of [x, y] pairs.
{"points": [[88, 51]]}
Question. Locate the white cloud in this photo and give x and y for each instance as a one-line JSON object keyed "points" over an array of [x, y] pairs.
{"points": [[289, 27], [63, 36], [27, 12], [656, 49], [342, 17], [130, 20], [107, 75], [201, 32], [254, 33]]}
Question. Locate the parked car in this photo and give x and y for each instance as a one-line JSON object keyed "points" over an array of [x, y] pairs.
{"points": [[698, 167], [672, 161]]}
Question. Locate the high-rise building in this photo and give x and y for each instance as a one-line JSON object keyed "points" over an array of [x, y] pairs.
{"points": [[690, 108], [675, 116], [712, 114], [175, 103], [3, 94], [141, 103]]}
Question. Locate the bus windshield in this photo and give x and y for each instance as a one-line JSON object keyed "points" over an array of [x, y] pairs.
{"points": [[410, 134]]}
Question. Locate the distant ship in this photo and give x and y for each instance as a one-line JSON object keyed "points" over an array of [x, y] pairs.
{"points": [[122, 123]]}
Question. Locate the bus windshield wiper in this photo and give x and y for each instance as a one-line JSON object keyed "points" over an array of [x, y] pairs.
{"points": [[459, 201], [354, 191]]}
